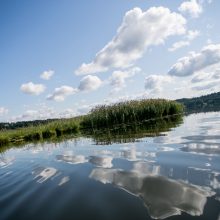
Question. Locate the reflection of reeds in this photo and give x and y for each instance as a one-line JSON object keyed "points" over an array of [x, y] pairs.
{"points": [[123, 114], [130, 112], [132, 132]]}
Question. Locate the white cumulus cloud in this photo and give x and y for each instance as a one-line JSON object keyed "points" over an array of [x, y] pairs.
{"points": [[31, 114], [67, 113], [89, 83], [32, 89], [211, 85], [194, 62], [207, 80], [118, 78], [211, 74], [156, 83], [46, 75], [192, 8], [201, 76], [178, 45], [191, 35], [139, 30], [43, 112], [61, 93], [3, 111]]}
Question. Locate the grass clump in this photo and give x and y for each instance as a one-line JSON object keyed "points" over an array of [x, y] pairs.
{"points": [[130, 112]]}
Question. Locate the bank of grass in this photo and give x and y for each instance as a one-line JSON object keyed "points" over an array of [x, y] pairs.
{"points": [[105, 116], [38, 133], [130, 112]]}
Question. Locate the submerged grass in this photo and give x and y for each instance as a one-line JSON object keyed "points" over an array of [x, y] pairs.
{"points": [[123, 113]]}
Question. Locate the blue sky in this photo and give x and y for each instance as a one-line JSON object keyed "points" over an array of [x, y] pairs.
{"points": [[61, 58]]}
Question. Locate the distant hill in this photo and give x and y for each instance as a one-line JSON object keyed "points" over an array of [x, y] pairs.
{"points": [[206, 103]]}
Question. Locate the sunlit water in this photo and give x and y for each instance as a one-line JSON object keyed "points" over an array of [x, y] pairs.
{"points": [[175, 176]]}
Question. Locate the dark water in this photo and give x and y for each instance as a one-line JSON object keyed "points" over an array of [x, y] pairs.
{"points": [[175, 176]]}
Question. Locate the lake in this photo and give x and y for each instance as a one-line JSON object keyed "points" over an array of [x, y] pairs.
{"points": [[175, 175]]}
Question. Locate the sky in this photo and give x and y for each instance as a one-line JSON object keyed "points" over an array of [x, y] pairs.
{"points": [[61, 58]]}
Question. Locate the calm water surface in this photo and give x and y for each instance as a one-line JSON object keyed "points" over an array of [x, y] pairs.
{"points": [[174, 176]]}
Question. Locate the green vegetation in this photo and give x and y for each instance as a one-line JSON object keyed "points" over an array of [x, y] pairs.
{"points": [[122, 114], [205, 103], [130, 112], [42, 132]]}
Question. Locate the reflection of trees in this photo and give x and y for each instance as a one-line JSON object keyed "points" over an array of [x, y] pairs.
{"points": [[130, 133], [163, 197]]}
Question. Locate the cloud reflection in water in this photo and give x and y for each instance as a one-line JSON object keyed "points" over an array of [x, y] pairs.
{"points": [[68, 157], [163, 197], [105, 162], [6, 161], [129, 153], [202, 148], [64, 180], [42, 174]]}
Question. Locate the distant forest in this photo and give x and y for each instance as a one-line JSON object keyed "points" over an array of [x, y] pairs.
{"points": [[205, 103]]}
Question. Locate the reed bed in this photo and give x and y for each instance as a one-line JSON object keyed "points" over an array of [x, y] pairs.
{"points": [[130, 112]]}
